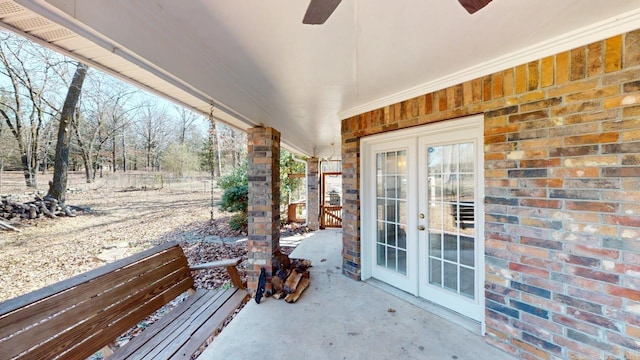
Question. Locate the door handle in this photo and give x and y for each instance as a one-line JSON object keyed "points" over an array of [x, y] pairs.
{"points": [[421, 227]]}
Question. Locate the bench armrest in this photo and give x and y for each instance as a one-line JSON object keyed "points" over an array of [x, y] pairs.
{"points": [[216, 264], [230, 264]]}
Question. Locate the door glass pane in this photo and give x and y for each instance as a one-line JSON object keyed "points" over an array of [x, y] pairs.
{"points": [[390, 186], [402, 237], [466, 188], [402, 262], [402, 162], [435, 272], [391, 213], [391, 210], [402, 186], [467, 251], [451, 211], [380, 209], [381, 238], [450, 247], [435, 245], [402, 212], [467, 282], [381, 255], [451, 276], [391, 234], [391, 258], [449, 159], [466, 157], [379, 186], [435, 188], [391, 163], [435, 215], [450, 187], [434, 162]]}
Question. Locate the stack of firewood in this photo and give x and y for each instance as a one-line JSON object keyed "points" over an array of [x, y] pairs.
{"points": [[290, 277], [46, 206]]}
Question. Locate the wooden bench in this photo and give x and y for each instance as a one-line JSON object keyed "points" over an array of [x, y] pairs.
{"points": [[465, 217], [75, 318]]}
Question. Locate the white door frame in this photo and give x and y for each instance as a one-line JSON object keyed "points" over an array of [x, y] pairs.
{"points": [[368, 145]]}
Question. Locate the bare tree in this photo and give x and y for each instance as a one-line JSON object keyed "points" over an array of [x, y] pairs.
{"points": [[152, 129], [26, 100], [58, 187], [105, 115], [232, 146], [186, 120]]}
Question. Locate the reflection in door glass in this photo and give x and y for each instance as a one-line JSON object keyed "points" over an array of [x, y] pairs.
{"points": [[391, 210], [451, 214]]}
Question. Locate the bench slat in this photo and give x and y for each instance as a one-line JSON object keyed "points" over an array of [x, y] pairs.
{"points": [[73, 319], [103, 335], [181, 330], [34, 311], [182, 335], [209, 327], [149, 335]]}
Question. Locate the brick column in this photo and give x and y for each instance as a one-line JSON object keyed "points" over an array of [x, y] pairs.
{"points": [[313, 194], [264, 202]]}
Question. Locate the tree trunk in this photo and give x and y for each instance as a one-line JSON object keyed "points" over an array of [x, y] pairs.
{"points": [[58, 187], [124, 151], [29, 173], [113, 153], [234, 151]]}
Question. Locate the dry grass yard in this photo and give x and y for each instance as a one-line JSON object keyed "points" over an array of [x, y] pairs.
{"points": [[125, 216]]}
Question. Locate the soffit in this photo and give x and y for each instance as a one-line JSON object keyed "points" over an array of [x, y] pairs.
{"points": [[261, 65]]}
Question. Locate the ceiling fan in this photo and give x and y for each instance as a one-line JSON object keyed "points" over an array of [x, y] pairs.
{"points": [[473, 5], [319, 10]]}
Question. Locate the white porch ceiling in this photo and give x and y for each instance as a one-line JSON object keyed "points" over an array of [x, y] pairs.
{"points": [[260, 65]]}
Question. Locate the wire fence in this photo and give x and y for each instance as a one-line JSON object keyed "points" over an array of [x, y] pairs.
{"points": [[13, 181], [158, 181]]}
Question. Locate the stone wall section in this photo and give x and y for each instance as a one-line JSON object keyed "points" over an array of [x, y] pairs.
{"points": [[313, 194], [562, 206], [263, 212]]}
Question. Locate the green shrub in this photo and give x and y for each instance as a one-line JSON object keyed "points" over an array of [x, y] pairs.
{"points": [[235, 198], [238, 221], [238, 177]]}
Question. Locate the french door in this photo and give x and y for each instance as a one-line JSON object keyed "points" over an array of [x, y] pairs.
{"points": [[422, 213]]}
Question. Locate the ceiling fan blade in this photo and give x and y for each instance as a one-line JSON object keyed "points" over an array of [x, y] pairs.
{"points": [[319, 11], [473, 5]]}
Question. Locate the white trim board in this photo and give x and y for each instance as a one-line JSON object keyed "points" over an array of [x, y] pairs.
{"points": [[595, 32]]}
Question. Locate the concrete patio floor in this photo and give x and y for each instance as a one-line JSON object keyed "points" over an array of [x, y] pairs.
{"points": [[338, 318]]}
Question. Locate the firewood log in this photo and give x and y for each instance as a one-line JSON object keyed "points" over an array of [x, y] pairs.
{"points": [[281, 261], [46, 212], [292, 298], [277, 284], [301, 265], [291, 284], [283, 274], [4, 225], [33, 212], [68, 212]]}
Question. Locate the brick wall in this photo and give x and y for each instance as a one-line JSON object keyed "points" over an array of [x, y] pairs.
{"points": [[263, 210], [313, 194], [562, 185]]}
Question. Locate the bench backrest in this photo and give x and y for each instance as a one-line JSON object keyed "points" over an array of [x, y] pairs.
{"points": [[78, 316]]}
